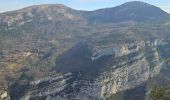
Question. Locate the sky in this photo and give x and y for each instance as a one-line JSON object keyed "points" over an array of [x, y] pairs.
{"points": [[9, 5]]}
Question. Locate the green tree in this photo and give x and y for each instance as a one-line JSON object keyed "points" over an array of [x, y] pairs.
{"points": [[160, 93]]}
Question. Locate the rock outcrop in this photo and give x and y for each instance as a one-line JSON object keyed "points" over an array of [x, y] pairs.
{"points": [[127, 71]]}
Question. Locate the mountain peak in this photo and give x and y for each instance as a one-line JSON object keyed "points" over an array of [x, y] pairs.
{"points": [[136, 4], [46, 7], [130, 11]]}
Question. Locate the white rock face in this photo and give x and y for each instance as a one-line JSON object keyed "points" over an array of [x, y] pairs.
{"points": [[125, 74], [4, 95], [127, 77], [124, 77], [117, 52], [103, 52]]}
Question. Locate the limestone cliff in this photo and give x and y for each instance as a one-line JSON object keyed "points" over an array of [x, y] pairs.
{"points": [[126, 71]]}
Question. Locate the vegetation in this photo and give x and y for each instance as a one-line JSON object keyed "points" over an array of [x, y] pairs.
{"points": [[160, 93], [36, 41]]}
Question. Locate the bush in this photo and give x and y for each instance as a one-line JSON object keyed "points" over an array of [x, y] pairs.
{"points": [[160, 93]]}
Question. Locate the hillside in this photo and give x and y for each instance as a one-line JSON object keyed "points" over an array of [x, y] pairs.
{"points": [[53, 51]]}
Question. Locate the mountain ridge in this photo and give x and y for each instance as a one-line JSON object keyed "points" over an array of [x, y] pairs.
{"points": [[53, 51], [127, 11], [62, 5], [135, 10]]}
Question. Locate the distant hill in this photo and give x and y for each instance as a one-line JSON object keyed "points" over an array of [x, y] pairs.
{"points": [[130, 11], [52, 18], [52, 40]]}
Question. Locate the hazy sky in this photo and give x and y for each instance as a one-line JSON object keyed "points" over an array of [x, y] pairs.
{"points": [[8, 5]]}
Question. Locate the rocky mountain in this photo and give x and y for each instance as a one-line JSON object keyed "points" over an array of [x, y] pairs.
{"points": [[53, 52], [130, 11]]}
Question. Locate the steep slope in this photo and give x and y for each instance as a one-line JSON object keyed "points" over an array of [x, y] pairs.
{"points": [[112, 72], [53, 51]]}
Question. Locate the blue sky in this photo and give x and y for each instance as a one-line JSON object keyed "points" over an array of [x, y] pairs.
{"points": [[8, 5]]}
